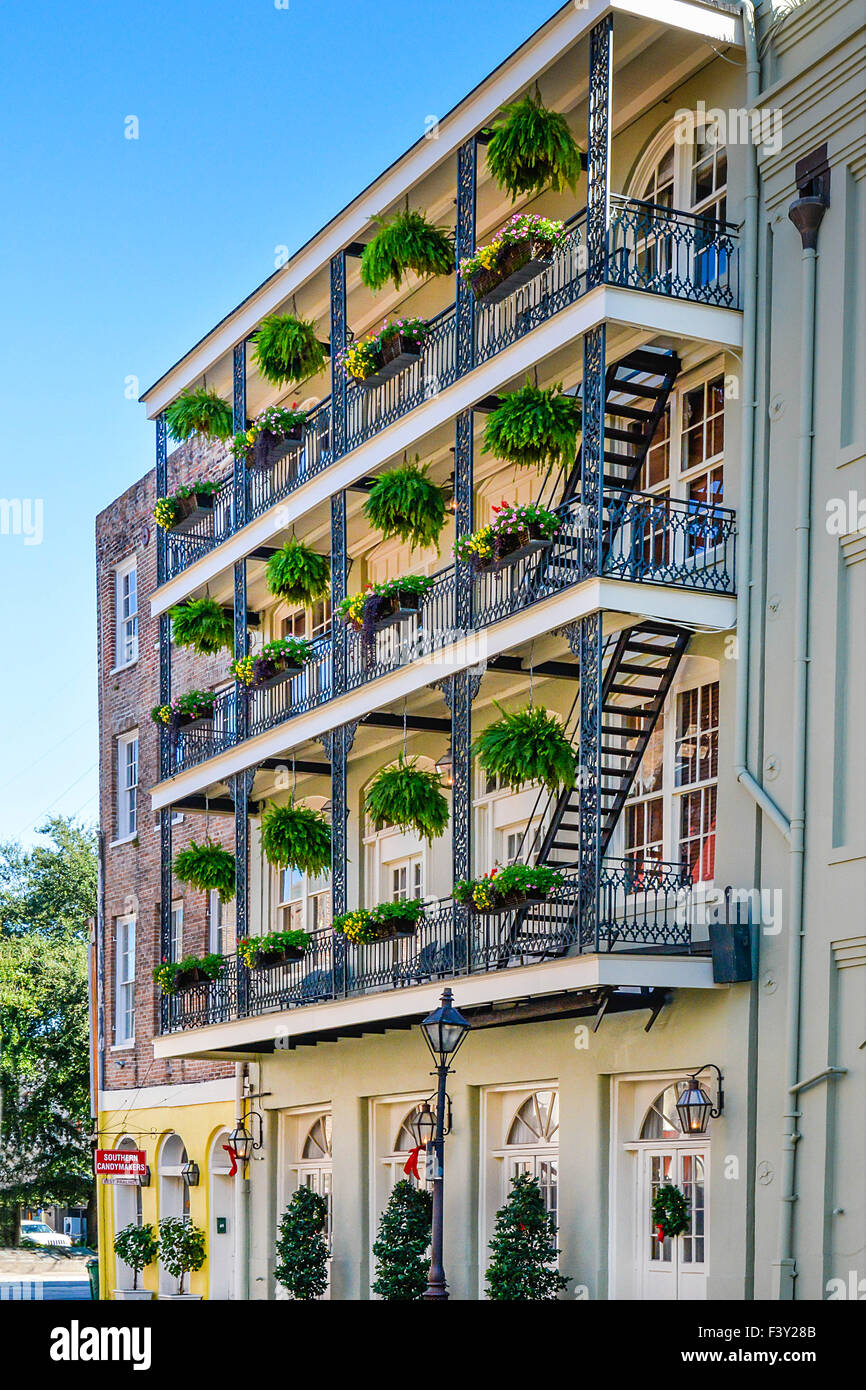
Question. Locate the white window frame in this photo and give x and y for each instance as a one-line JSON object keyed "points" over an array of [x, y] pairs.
{"points": [[127, 791], [221, 923], [125, 622], [124, 981], [177, 929]]}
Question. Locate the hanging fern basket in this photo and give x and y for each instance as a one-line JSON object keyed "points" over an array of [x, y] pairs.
{"points": [[297, 837], [298, 574], [410, 797], [203, 625], [199, 412], [287, 349], [406, 242], [531, 148], [208, 867], [526, 745], [534, 427], [670, 1212], [404, 502]]}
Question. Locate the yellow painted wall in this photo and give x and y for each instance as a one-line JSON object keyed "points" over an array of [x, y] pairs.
{"points": [[197, 1126]]}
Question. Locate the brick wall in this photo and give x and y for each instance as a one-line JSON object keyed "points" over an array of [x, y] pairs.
{"points": [[131, 870]]}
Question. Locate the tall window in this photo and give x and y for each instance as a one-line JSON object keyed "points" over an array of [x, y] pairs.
{"points": [[644, 810], [124, 994], [407, 879], [177, 929], [696, 776], [126, 612], [222, 925], [127, 785], [533, 1144]]}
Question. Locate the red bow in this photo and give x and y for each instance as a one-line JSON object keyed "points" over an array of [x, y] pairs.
{"points": [[410, 1167], [234, 1158]]}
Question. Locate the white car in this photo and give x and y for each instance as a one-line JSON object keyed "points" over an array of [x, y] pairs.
{"points": [[39, 1233]]}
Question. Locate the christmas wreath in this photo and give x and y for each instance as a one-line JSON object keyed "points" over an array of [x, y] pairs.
{"points": [[670, 1211]]}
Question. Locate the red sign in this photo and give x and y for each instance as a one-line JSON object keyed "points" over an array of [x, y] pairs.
{"points": [[121, 1163]]}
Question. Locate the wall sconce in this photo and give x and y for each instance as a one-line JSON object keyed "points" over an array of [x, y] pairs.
{"points": [[694, 1107], [190, 1174], [144, 1178], [243, 1142], [445, 766]]}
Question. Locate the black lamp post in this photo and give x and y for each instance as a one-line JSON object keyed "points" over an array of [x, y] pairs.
{"points": [[694, 1106], [444, 1031]]}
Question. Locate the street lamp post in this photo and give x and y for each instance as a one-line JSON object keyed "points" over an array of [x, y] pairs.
{"points": [[444, 1030]]}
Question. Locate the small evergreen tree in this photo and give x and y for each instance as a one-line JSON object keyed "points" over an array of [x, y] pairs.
{"points": [[302, 1251], [523, 1247], [401, 1245]]}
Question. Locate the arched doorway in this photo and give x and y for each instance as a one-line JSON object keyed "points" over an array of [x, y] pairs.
{"points": [[173, 1193], [675, 1267], [127, 1212], [532, 1146], [220, 1219]]}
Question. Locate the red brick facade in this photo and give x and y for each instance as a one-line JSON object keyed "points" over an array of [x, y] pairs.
{"points": [[131, 870]]}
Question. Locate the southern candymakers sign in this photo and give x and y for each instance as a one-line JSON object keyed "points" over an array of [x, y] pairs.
{"points": [[121, 1165]]}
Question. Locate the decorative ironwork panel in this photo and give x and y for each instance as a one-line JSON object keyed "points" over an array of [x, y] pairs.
{"points": [[165, 943], [161, 491], [341, 742], [339, 572], [589, 774], [241, 645], [598, 148], [338, 346], [497, 326], [592, 447], [463, 518], [467, 161], [164, 690], [464, 687], [239, 422], [682, 255]]}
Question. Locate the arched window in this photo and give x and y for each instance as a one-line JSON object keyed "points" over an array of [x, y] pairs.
{"points": [[660, 1120], [317, 1144], [313, 1168], [533, 1144], [173, 1192], [407, 1139], [220, 1209]]}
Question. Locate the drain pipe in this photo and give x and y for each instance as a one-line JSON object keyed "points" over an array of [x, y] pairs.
{"points": [[747, 446], [241, 1269], [806, 213]]}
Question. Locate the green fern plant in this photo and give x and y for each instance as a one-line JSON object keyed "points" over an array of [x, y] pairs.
{"points": [[287, 349], [526, 745], [407, 242], [207, 866], [202, 624], [531, 148], [409, 796], [534, 427], [199, 412], [299, 574], [297, 837], [403, 502]]}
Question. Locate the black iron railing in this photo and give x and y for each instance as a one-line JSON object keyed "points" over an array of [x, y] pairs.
{"points": [[651, 248], [648, 539], [642, 905]]}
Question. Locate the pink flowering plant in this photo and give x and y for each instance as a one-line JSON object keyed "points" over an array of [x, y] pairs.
{"points": [[510, 528], [548, 233], [276, 420], [362, 358]]}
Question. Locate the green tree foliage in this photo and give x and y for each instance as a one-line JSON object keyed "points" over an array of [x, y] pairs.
{"points": [[302, 1252], [401, 1244], [523, 1248], [47, 895]]}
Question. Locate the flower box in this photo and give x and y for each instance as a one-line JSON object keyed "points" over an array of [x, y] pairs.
{"points": [[269, 447], [536, 540], [517, 264], [396, 927], [393, 357], [281, 674], [185, 979], [266, 960], [510, 901], [203, 723], [400, 608], [189, 511]]}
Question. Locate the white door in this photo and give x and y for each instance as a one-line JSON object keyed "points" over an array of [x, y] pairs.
{"points": [[674, 1267]]}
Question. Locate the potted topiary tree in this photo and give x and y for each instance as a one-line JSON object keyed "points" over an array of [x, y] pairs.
{"points": [[523, 1246], [302, 1251], [137, 1246], [401, 1245], [182, 1251]]}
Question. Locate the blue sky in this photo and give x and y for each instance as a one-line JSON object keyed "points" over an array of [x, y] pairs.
{"points": [[256, 124]]}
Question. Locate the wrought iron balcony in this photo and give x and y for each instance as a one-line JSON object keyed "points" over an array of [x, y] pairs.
{"points": [[648, 539], [655, 249], [642, 905]]}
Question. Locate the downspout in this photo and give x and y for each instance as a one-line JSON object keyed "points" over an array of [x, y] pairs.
{"points": [[806, 213], [241, 1266], [747, 455]]}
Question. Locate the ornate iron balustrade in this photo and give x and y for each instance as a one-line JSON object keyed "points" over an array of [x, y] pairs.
{"points": [[647, 539], [683, 255], [643, 904], [655, 249]]}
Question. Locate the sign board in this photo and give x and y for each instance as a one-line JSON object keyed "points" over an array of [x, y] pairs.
{"points": [[121, 1165]]}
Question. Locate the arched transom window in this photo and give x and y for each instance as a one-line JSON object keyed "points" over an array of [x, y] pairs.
{"points": [[533, 1144]]}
